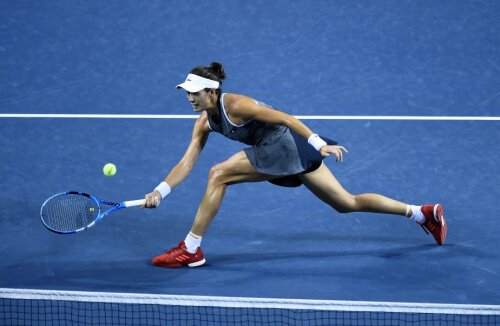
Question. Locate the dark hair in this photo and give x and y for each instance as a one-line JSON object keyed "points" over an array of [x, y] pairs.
{"points": [[214, 71]]}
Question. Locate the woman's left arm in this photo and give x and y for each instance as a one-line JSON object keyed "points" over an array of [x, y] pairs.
{"points": [[245, 108]]}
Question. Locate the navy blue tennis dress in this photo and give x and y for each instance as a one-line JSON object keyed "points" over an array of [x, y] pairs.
{"points": [[276, 150]]}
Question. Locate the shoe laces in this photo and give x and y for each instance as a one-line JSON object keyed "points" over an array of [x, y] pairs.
{"points": [[175, 250]]}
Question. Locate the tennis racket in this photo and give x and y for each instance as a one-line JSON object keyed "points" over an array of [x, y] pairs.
{"points": [[72, 211]]}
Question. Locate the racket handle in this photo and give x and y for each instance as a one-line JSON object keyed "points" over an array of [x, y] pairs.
{"points": [[132, 203]]}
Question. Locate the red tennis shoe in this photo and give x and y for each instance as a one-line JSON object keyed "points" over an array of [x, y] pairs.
{"points": [[434, 223], [179, 257]]}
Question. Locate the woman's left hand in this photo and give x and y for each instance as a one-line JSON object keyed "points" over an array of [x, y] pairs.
{"points": [[336, 150]]}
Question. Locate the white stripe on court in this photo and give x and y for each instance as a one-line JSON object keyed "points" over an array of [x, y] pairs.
{"points": [[193, 116], [242, 302], [96, 116]]}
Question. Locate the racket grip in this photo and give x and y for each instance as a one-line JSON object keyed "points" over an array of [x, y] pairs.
{"points": [[132, 203]]}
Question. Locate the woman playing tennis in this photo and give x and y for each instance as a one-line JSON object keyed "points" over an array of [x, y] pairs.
{"points": [[283, 151]]}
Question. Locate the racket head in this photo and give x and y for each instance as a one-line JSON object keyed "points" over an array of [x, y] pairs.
{"points": [[70, 212]]}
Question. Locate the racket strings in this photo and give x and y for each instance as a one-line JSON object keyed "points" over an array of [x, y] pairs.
{"points": [[69, 212]]}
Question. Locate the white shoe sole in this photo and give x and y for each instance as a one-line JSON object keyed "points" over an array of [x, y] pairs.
{"points": [[438, 217], [198, 263]]}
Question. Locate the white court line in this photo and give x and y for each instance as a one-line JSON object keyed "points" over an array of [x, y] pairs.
{"points": [[301, 117]]}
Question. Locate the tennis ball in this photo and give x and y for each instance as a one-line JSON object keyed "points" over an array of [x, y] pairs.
{"points": [[109, 169]]}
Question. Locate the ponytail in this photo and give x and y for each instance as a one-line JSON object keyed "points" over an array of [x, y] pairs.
{"points": [[217, 70], [214, 71]]}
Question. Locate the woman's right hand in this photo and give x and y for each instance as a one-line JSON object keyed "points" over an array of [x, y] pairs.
{"points": [[153, 199]]}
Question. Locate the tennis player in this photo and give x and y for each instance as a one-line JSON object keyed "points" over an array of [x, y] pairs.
{"points": [[283, 151]]}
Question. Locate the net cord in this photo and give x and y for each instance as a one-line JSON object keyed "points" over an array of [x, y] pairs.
{"points": [[242, 302]]}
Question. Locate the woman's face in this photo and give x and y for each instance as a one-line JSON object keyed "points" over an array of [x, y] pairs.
{"points": [[202, 100]]}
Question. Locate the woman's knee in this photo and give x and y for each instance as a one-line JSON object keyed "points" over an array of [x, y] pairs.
{"points": [[345, 205], [215, 174], [343, 209], [220, 174]]}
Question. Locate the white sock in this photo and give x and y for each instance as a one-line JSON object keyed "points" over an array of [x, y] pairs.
{"points": [[416, 214], [192, 242]]}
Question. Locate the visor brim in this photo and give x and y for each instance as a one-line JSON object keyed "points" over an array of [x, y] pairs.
{"points": [[190, 87]]}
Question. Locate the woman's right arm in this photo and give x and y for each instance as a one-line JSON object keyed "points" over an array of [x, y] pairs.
{"points": [[184, 167]]}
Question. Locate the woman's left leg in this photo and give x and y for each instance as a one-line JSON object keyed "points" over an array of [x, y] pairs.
{"points": [[326, 187]]}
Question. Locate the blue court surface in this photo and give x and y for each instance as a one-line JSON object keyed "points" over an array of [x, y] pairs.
{"points": [[417, 59]]}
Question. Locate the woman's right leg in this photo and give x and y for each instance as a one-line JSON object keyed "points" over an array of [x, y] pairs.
{"points": [[236, 169]]}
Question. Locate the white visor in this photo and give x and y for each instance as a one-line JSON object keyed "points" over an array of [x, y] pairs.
{"points": [[195, 83]]}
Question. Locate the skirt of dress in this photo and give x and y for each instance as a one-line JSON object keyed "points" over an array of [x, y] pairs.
{"points": [[285, 155]]}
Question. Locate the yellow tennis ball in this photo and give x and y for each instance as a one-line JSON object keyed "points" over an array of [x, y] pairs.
{"points": [[109, 169]]}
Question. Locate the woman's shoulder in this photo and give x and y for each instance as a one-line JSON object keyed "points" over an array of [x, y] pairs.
{"points": [[234, 101]]}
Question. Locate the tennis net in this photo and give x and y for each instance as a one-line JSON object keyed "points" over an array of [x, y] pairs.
{"points": [[48, 307]]}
